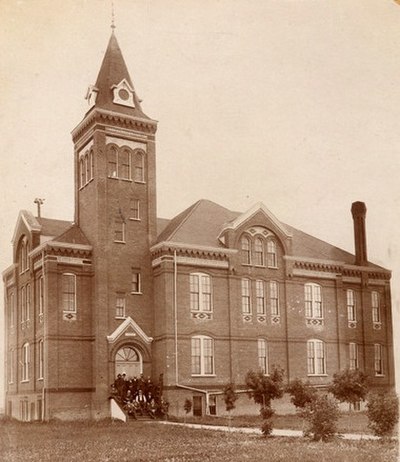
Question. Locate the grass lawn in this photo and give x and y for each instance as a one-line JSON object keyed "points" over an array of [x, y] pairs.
{"points": [[349, 422], [151, 441]]}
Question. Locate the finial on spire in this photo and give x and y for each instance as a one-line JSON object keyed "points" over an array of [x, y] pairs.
{"points": [[112, 17]]}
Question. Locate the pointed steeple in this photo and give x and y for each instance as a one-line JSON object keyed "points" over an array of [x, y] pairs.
{"points": [[114, 89]]}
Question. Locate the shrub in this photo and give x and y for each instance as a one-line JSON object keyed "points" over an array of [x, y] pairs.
{"points": [[383, 412], [349, 386], [266, 427], [187, 406], [230, 396], [301, 393], [264, 388], [322, 414]]}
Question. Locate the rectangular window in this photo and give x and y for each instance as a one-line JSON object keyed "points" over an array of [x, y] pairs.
{"points": [[112, 163], [194, 292], [378, 359], [23, 304], [260, 297], [136, 283], [353, 356], [202, 355], [11, 363], [11, 310], [315, 357], [259, 252], [274, 298], [313, 301], [28, 302], [376, 313], [262, 355], [25, 362], [41, 362], [351, 306], [246, 300], [120, 307], [205, 292], [135, 209], [69, 292], [125, 165], [41, 296], [196, 356], [91, 155], [119, 230]]}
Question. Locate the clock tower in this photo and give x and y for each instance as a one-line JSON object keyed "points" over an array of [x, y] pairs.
{"points": [[115, 207]]}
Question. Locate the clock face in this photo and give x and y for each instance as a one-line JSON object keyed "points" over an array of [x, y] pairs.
{"points": [[123, 94]]}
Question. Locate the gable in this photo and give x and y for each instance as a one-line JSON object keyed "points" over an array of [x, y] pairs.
{"points": [[129, 329]]}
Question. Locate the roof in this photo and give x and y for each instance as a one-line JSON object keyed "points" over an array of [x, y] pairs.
{"points": [[51, 227], [112, 71], [201, 224]]}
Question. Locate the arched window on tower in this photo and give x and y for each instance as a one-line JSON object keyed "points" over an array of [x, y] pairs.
{"points": [[87, 167], [82, 172], [91, 159], [112, 162], [124, 164], [139, 166]]}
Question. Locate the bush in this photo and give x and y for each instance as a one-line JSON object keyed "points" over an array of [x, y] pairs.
{"points": [[301, 393], [264, 388], [349, 386], [383, 412], [230, 396], [266, 427], [322, 414]]}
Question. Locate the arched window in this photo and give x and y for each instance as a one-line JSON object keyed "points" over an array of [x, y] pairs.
{"points": [[28, 302], [351, 305], [375, 303], [262, 355], [246, 250], [246, 296], [128, 361], [23, 255], [69, 292], [124, 164], [202, 355], [200, 292], [139, 166], [313, 300], [25, 362], [274, 298], [112, 162], [378, 363], [11, 310], [316, 357], [271, 254], [259, 251], [82, 172]]}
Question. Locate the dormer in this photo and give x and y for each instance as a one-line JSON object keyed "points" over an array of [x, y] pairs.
{"points": [[123, 94]]}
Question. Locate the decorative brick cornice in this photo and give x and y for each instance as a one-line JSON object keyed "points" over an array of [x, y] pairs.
{"points": [[189, 250], [103, 116], [62, 249]]}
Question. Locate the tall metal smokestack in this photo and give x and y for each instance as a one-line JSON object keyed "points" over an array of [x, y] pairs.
{"points": [[359, 211]]}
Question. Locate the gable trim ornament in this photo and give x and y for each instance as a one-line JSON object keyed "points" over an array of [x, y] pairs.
{"points": [[126, 328]]}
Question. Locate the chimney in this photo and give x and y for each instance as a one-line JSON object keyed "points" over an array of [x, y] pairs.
{"points": [[359, 210]]}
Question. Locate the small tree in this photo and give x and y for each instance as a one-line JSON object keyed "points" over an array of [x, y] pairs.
{"points": [[187, 407], [263, 389], [230, 398], [301, 393], [383, 412], [349, 386], [322, 414]]}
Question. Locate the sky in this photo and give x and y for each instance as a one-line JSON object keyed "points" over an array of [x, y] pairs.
{"points": [[294, 103]]}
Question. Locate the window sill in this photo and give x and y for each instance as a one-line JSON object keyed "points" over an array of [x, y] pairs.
{"points": [[204, 375], [136, 293], [247, 264], [272, 267], [259, 266], [25, 381], [317, 375], [120, 317], [119, 242], [40, 379], [140, 182], [379, 375], [135, 219]]}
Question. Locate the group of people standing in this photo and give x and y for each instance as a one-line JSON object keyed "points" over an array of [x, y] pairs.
{"points": [[139, 396]]}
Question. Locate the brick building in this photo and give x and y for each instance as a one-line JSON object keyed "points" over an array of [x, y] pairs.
{"points": [[201, 298]]}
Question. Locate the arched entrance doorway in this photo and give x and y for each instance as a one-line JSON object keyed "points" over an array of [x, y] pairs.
{"points": [[129, 361]]}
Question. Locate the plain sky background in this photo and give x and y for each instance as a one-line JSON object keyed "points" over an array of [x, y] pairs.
{"points": [[294, 103]]}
